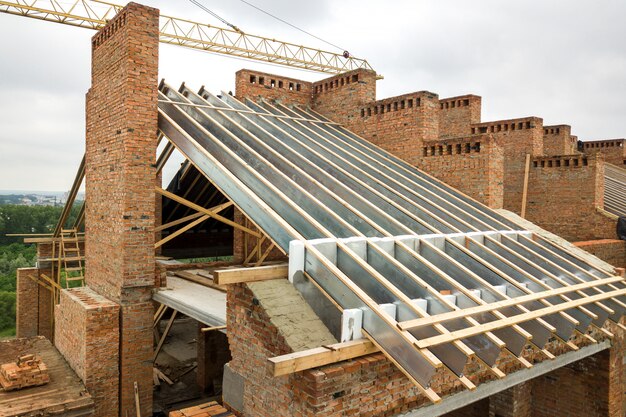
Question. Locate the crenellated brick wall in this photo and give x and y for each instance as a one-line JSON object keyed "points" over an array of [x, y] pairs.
{"points": [[474, 166], [457, 114], [341, 97], [614, 150], [558, 140], [399, 124], [254, 84], [87, 329], [564, 197], [518, 138]]}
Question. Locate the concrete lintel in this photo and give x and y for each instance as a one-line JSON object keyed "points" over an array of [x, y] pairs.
{"points": [[461, 399]]}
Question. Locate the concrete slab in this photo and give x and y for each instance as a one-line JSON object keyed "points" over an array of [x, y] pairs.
{"points": [[207, 305]]}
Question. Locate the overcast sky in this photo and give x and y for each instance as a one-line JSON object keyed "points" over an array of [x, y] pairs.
{"points": [[564, 61]]}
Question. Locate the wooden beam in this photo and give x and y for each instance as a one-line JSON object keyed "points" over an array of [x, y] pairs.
{"points": [[210, 329], [205, 211], [323, 355], [258, 273], [179, 221], [525, 189], [165, 333], [509, 321], [180, 231]]}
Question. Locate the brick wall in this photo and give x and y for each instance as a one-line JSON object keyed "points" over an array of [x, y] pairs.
{"points": [[213, 354], [341, 97], [456, 114], [87, 328], [518, 138], [614, 150], [612, 251], [27, 303], [513, 402], [120, 179], [574, 185], [370, 385], [473, 166], [558, 140], [399, 124], [253, 84]]}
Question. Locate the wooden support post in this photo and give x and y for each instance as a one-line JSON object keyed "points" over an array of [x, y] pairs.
{"points": [[525, 190], [259, 273], [164, 335]]}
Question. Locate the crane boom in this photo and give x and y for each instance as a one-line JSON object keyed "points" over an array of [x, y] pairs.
{"points": [[93, 14]]}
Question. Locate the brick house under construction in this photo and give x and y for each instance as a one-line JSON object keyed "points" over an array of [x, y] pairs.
{"points": [[359, 285]]}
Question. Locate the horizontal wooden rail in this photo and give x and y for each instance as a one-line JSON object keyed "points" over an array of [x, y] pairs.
{"points": [[258, 273], [509, 321], [320, 356], [440, 318]]}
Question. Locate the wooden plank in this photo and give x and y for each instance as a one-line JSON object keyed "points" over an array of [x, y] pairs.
{"points": [[320, 356], [205, 211], [198, 279], [181, 231], [525, 189], [258, 273], [509, 321], [439, 318]]}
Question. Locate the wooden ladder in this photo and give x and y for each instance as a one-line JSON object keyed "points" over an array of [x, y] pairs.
{"points": [[70, 256]]}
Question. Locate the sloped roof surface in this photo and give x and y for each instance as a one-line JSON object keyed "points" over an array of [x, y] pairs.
{"points": [[439, 277]]}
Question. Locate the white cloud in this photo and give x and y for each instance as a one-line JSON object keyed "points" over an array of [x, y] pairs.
{"points": [[564, 61]]}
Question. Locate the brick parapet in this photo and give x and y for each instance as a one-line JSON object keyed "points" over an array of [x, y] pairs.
{"points": [[254, 84], [558, 140], [457, 114], [614, 150], [87, 329], [473, 165], [574, 184]]}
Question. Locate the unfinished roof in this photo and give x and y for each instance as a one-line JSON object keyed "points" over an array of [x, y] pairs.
{"points": [[615, 189], [439, 278]]}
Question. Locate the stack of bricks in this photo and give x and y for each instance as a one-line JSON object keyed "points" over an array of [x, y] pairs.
{"points": [[27, 371], [87, 328], [210, 409], [474, 166]]}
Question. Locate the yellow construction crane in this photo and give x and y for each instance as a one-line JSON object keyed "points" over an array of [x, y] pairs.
{"points": [[93, 14]]}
